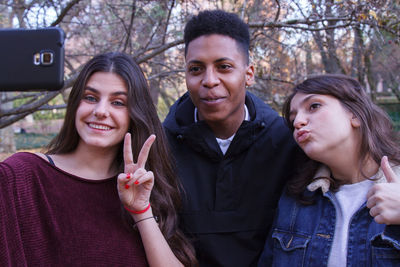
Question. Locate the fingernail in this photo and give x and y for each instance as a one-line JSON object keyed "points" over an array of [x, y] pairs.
{"points": [[127, 186], [128, 176], [136, 182]]}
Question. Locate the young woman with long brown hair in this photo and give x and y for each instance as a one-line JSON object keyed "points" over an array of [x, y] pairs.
{"points": [[342, 207], [70, 207]]}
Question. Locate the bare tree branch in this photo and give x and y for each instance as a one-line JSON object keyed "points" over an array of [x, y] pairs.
{"points": [[30, 107], [129, 30], [165, 74], [274, 79], [279, 10], [159, 50], [51, 107], [294, 24], [64, 12], [19, 96], [7, 121]]}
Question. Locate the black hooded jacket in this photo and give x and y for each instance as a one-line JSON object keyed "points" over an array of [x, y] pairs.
{"points": [[229, 200]]}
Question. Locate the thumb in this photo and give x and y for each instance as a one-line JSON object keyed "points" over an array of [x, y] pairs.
{"points": [[391, 177]]}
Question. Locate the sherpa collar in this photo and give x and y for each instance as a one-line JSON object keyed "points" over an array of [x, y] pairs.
{"points": [[321, 178]]}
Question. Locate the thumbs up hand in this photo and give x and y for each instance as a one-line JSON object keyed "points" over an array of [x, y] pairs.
{"points": [[383, 199]]}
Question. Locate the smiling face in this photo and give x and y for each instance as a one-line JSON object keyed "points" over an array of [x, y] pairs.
{"points": [[323, 128], [102, 117], [216, 76]]}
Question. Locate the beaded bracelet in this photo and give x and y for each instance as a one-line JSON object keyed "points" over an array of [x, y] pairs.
{"points": [[138, 211]]}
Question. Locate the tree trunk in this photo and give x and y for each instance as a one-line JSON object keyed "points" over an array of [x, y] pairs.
{"points": [[369, 74], [7, 141], [358, 50], [309, 63], [161, 33]]}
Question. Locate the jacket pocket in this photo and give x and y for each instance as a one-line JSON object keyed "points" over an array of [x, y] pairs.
{"points": [[289, 248], [384, 252]]}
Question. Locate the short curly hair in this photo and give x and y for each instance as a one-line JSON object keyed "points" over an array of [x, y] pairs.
{"points": [[218, 22]]}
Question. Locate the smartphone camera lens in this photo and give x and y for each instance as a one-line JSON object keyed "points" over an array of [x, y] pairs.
{"points": [[46, 58]]}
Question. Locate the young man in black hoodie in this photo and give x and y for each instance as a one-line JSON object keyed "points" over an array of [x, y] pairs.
{"points": [[233, 152]]}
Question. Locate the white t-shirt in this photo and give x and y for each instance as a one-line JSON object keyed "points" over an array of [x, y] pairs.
{"points": [[350, 198], [225, 143]]}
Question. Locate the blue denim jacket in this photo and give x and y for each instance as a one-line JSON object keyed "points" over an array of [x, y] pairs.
{"points": [[302, 235]]}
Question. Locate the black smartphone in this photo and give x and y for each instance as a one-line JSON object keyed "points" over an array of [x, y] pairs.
{"points": [[32, 59]]}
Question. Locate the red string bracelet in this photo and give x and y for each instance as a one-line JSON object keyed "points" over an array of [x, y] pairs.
{"points": [[138, 211]]}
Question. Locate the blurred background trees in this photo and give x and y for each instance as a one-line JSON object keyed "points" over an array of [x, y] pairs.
{"points": [[290, 40]]}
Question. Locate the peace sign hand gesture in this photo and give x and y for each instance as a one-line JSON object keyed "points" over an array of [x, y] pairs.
{"points": [[135, 184]]}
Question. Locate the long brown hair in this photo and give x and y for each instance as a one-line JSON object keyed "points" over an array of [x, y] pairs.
{"points": [[378, 137], [144, 121]]}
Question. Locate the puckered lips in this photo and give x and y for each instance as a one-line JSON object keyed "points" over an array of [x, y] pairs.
{"points": [[302, 135], [99, 126]]}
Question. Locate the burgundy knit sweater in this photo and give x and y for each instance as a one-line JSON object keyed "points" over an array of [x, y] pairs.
{"points": [[51, 218]]}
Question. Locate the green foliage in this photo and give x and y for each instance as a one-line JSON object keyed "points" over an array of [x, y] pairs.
{"points": [[395, 116], [393, 110], [49, 114], [162, 109], [45, 114], [32, 140]]}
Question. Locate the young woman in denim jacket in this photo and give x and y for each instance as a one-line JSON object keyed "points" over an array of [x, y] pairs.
{"points": [[340, 208]]}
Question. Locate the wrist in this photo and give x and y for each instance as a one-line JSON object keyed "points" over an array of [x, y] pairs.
{"points": [[155, 218], [138, 211], [136, 217]]}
